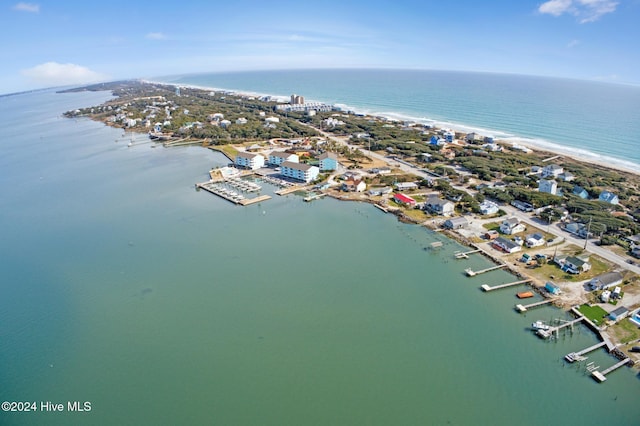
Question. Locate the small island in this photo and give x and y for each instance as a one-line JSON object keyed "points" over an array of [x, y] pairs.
{"points": [[568, 228]]}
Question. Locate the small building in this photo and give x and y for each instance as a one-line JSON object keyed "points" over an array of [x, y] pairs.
{"points": [[605, 281], [276, 158], [354, 185], [511, 226], [552, 171], [534, 240], [404, 199], [580, 192], [506, 245], [605, 296], [405, 186], [491, 235], [299, 171], [608, 197], [488, 207], [272, 120], [328, 161], [458, 222], [619, 313], [436, 205], [552, 288], [241, 121], [616, 292], [548, 186], [567, 176], [249, 160]]}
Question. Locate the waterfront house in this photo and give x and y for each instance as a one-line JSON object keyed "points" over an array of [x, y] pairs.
{"points": [[552, 288], [328, 161], [449, 136], [436, 205], [608, 197], [404, 199], [605, 281], [511, 226], [405, 186], [299, 171], [354, 185], [249, 160], [455, 223], [488, 139], [552, 171], [437, 141], [549, 186], [276, 158], [619, 313], [506, 245], [488, 207], [534, 240], [572, 264], [380, 191], [580, 192]]}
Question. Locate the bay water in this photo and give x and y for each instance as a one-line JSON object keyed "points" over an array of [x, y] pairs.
{"points": [[125, 287]]}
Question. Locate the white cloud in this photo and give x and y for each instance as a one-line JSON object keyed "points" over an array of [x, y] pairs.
{"points": [[156, 36], [573, 43], [27, 7], [585, 10], [55, 74]]}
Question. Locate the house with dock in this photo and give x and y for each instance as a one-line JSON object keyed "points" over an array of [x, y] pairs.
{"points": [[249, 160], [299, 171]]}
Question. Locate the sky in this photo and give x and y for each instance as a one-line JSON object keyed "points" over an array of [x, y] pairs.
{"points": [[55, 43]]}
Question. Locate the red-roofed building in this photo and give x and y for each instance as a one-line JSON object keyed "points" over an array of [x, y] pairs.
{"points": [[404, 199]]}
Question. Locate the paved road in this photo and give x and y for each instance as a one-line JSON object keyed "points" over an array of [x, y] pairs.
{"points": [[510, 210]]}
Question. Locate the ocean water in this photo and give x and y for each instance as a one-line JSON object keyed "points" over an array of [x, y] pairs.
{"points": [[593, 120], [125, 287]]}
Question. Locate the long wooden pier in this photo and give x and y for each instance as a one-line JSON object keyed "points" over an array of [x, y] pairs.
{"points": [[545, 334], [249, 201], [524, 308], [600, 376], [578, 356], [487, 287], [472, 273], [289, 190]]}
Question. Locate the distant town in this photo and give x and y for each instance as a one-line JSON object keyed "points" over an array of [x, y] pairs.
{"points": [[568, 228]]}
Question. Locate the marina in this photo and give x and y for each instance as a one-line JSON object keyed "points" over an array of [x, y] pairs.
{"points": [[487, 287], [230, 195]]}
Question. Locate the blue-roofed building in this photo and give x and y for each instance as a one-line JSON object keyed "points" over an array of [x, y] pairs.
{"points": [[552, 288], [580, 192], [608, 197], [435, 140]]}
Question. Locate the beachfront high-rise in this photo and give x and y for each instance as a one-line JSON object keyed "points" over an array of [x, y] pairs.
{"points": [[297, 99]]}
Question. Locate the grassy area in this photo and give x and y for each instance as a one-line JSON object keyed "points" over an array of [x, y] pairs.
{"points": [[417, 215], [229, 150], [492, 226], [626, 331], [595, 313]]}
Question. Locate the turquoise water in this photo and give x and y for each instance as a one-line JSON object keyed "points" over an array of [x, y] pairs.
{"points": [[159, 304], [593, 120]]}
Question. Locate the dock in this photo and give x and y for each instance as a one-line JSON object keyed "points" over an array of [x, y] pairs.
{"points": [[601, 376], [523, 308], [230, 195], [486, 287], [288, 190], [315, 197], [381, 208], [249, 201], [545, 334], [472, 273], [465, 255], [578, 356]]}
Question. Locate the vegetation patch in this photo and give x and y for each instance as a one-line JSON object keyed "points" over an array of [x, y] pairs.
{"points": [[626, 331], [595, 313]]}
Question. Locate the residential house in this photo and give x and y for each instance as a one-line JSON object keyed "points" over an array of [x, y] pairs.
{"points": [[456, 223], [491, 235], [272, 120], [449, 136], [608, 197], [580, 192], [552, 171], [380, 191], [488, 207], [249, 160], [605, 281], [354, 185], [506, 245], [404, 199], [572, 264], [276, 158], [470, 137], [567, 176], [619, 313], [549, 186], [405, 186], [328, 161], [299, 171], [579, 229], [241, 120], [534, 240], [511, 226], [225, 124], [437, 205], [605, 296], [437, 141]]}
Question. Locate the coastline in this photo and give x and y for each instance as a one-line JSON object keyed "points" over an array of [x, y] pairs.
{"points": [[539, 145]]}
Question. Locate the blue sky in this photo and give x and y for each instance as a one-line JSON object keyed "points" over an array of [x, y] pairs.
{"points": [[50, 43]]}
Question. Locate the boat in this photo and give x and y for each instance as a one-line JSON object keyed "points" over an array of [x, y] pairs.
{"points": [[539, 325], [524, 294], [573, 357]]}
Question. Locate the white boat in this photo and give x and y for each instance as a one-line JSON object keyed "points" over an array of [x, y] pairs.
{"points": [[539, 325]]}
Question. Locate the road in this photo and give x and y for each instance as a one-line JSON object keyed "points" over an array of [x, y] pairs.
{"points": [[510, 210]]}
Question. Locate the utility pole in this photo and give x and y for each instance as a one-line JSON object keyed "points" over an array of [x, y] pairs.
{"points": [[586, 237]]}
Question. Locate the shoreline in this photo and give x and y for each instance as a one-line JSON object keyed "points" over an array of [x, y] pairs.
{"points": [[501, 137]]}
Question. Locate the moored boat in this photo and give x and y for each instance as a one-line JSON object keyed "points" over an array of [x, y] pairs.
{"points": [[524, 294]]}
